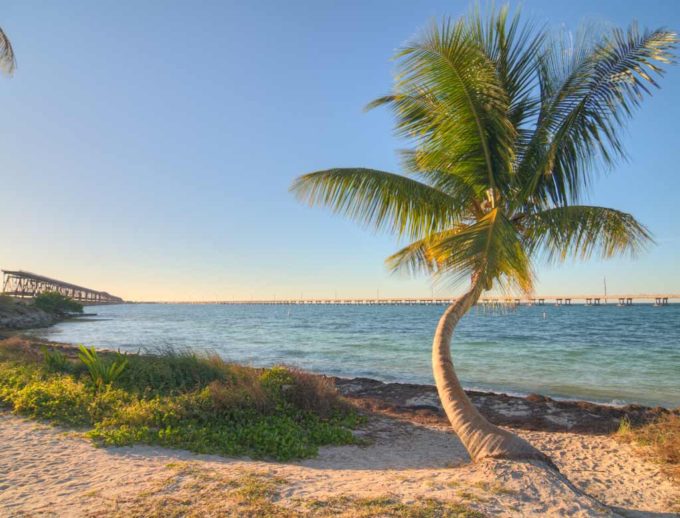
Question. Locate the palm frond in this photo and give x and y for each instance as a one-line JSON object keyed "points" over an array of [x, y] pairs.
{"points": [[512, 47], [491, 249], [420, 116], [448, 98], [419, 257], [581, 231], [381, 200], [588, 92], [7, 60], [464, 191], [507, 128]]}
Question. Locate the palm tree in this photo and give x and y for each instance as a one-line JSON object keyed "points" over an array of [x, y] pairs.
{"points": [[7, 60], [508, 124]]}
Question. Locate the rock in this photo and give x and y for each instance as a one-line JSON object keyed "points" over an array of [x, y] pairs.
{"points": [[535, 412], [15, 315]]}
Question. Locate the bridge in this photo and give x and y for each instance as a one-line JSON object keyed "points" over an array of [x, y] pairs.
{"points": [[626, 299], [18, 283]]}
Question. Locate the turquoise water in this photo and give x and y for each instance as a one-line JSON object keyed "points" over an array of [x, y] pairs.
{"points": [[604, 354]]}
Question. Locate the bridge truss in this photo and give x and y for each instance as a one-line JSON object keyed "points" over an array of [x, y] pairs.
{"points": [[22, 284]]}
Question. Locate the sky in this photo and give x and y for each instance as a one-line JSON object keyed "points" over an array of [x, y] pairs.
{"points": [[147, 148]]}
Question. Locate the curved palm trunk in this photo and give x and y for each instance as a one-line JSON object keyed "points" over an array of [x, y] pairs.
{"points": [[481, 438]]}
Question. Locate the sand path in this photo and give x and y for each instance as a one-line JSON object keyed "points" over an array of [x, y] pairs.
{"points": [[45, 471]]}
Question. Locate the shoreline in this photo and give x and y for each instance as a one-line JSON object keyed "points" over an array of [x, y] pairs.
{"points": [[7, 333], [22, 317], [523, 395], [407, 461], [626, 359], [420, 403]]}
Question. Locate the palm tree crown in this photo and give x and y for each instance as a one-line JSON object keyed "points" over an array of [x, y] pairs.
{"points": [[508, 124]]}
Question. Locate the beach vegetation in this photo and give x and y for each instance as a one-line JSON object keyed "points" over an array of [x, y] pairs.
{"points": [[171, 371], [507, 125], [389, 506], [197, 491], [55, 302], [218, 408], [55, 360], [102, 371], [658, 440]]}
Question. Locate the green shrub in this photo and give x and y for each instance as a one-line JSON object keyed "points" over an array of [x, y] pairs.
{"points": [[60, 399], [54, 302], [178, 400], [103, 372], [13, 378], [170, 372], [55, 360], [276, 380], [65, 400]]}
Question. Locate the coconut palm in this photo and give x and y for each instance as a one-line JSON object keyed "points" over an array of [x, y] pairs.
{"points": [[7, 60], [508, 125]]}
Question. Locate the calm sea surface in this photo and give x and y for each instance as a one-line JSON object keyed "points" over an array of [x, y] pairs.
{"points": [[605, 354]]}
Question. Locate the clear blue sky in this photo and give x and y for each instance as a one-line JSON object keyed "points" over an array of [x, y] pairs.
{"points": [[147, 147]]}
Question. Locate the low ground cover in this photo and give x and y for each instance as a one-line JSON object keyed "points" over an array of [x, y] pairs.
{"points": [[190, 490], [176, 399]]}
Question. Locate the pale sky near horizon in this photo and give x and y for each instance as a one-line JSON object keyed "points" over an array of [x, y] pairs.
{"points": [[147, 147]]}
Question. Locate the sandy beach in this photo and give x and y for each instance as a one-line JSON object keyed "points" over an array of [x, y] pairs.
{"points": [[46, 471], [190, 328]]}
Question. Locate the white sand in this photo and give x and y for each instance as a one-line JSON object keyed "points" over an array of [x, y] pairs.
{"points": [[47, 472]]}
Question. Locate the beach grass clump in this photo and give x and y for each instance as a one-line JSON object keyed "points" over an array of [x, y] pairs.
{"points": [[389, 506], [658, 440], [171, 371], [176, 399], [55, 360], [192, 490]]}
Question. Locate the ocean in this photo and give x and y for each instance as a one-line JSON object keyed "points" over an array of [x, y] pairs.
{"points": [[606, 354]]}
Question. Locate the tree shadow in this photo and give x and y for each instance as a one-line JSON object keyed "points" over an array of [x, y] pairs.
{"points": [[393, 444]]}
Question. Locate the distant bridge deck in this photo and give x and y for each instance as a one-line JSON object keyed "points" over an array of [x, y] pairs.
{"points": [[18, 283], [625, 299]]}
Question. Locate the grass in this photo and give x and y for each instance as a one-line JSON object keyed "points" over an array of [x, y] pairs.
{"points": [[178, 400], [494, 487], [193, 491], [659, 441], [388, 506], [469, 496]]}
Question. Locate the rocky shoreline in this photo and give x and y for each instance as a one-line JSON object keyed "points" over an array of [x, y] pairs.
{"points": [[420, 403], [19, 316]]}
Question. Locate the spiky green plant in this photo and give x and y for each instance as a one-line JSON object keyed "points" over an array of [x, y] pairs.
{"points": [[101, 371], [508, 124]]}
